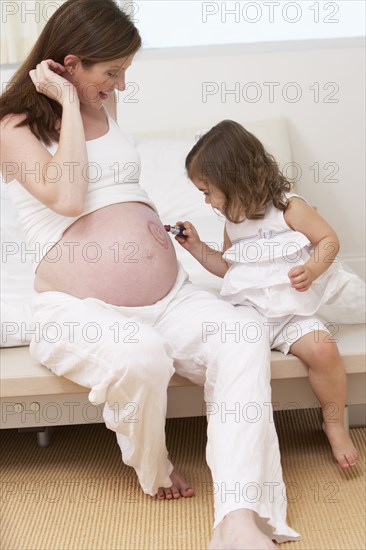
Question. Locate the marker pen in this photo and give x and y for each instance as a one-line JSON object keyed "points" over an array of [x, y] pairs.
{"points": [[175, 229]]}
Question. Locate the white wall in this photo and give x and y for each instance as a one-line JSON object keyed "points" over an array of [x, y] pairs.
{"points": [[165, 93]]}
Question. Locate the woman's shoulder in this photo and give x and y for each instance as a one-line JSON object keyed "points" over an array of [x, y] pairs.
{"points": [[13, 132], [9, 122], [13, 120], [19, 145]]}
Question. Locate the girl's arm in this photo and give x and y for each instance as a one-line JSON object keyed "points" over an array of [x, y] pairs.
{"points": [[209, 258], [59, 181], [303, 218]]}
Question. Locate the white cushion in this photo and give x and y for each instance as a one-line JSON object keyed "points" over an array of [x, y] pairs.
{"points": [[16, 277], [163, 160], [349, 307]]}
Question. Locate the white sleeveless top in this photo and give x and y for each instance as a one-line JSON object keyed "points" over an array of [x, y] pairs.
{"points": [[113, 170], [262, 253]]}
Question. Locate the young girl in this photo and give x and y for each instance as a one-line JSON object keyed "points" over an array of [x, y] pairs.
{"points": [[279, 256]]}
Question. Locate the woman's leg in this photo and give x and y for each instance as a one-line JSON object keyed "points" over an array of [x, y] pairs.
{"points": [[328, 380], [125, 364], [226, 348]]}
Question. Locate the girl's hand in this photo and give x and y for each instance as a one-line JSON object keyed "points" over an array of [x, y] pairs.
{"points": [[191, 239], [47, 80], [301, 278]]}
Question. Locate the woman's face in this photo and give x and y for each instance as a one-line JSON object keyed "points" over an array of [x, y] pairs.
{"points": [[94, 84]]}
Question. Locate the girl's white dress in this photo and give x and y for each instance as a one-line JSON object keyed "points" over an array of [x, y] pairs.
{"points": [[262, 253]]}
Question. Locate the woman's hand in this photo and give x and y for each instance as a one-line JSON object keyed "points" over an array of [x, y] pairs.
{"points": [[301, 277], [191, 240], [47, 80]]}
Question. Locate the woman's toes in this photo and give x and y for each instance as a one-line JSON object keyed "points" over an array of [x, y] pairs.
{"points": [[175, 492], [164, 493], [168, 493], [187, 492], [179, 488]]}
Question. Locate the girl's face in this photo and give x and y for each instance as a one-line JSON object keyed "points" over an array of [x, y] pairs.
{"points": [[213, 196], [94, 84]]}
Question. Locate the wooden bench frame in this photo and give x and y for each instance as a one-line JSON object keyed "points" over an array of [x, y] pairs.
{"points": [[32, 397]]}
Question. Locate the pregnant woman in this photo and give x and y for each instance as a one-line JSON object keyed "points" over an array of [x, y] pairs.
{"points": [[113, 306]]}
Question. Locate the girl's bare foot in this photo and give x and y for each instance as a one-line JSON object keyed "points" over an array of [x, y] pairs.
{"points": [[342, 447], [238, 530], [179, 488]]}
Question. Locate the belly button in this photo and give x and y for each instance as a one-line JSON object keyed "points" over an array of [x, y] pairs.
{"points": [[149, 254]]}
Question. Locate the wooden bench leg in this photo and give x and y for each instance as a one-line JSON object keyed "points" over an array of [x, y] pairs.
{"points": [[43, 435], [44, 438]]}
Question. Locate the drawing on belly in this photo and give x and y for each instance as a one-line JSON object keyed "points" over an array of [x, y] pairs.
{"points": [[159, 233]]}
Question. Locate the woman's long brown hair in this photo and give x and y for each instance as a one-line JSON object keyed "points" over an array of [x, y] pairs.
{"points": [[93, 30], [234, 161]]}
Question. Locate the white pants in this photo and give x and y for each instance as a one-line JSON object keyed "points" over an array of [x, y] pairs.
{"points": [[125, 356]]}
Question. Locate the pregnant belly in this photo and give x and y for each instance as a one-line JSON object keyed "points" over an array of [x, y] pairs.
{"points": [[120, 254]]}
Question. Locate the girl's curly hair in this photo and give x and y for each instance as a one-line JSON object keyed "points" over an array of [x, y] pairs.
{"points": [[233, 160]]}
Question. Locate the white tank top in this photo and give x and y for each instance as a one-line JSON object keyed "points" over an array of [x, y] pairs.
{"points": [[113, 171]]}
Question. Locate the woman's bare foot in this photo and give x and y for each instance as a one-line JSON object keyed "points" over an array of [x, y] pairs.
{"points": [[238, 530], [342, 447], [179, 488]]}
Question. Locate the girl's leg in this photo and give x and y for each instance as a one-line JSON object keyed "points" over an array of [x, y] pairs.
{"points": [[125, 364], [328, 380], [226, 349]]}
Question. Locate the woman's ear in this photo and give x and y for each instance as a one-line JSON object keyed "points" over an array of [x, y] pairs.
{"points": [[71, 63]]}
